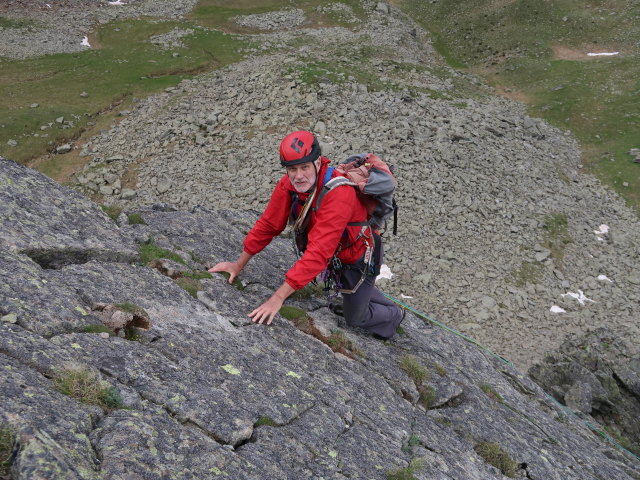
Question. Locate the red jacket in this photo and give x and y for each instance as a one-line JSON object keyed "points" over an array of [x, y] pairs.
{"points": [[339, 207]]}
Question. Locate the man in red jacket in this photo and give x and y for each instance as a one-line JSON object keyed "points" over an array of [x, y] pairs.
{"points": [[329, 232]]}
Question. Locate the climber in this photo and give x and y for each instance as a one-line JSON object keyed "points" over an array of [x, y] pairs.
{"points": [[336, 234]]}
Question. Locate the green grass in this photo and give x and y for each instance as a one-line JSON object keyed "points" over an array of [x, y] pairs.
{"points": [[414, 369], [197, 275], [150, 252], [265, 420], [220, 13], [112, 211], [339, 341], [493, 454], [491, 393], [7, 23], [419, 374], [439, 369], [311, 290], [86, 386], [427, 396], [136, 219], [191, 285], [125, 65], [625, 442], [292, 313], [529, 272], [515, 45], [128, 307], [7, 438], [556, 236], [98, 329], [407, 473], [132, 334], [236, 281]]}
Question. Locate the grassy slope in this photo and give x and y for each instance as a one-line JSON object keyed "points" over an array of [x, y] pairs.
{"points": [[125, 65], [536, 52]]}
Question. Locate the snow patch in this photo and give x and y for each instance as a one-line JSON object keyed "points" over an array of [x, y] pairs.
{"points": [[85, 42], [602, 230], [580, 297], [117, 2], [602, 54], [557, 309], [385, 272], [402, 295], [604, 278]]}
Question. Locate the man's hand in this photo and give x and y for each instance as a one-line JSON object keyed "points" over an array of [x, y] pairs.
{"points": [[267, 310], [232, 268]]}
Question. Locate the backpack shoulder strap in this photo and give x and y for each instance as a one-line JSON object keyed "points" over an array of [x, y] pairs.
{"points": [[330, 185]]}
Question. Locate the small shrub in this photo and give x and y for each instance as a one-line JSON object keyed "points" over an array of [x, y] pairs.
{"points": [[427, 396], [7, 437], [132, 334], [488, 389], [98, 329], [494, 455], [440, 370], [406, 473], [86, 386], [112, 211], [150, 251], [338, 341], [136, 219], [265, 420], [413, 368], [412, 441]]}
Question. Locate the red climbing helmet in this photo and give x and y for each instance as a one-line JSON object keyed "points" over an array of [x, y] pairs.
{"points": [[299, 147]]}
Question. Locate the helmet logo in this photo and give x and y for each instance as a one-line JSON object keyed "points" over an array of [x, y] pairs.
{"points": [[297, 144]]}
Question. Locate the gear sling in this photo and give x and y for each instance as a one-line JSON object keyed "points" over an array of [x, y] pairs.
{"points": [[374, 183]]}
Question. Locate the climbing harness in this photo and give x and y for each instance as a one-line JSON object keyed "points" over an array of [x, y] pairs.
{"points": [[368, 265]]}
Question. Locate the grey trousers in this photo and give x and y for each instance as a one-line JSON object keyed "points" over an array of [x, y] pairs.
{"points": [[368, 308]]}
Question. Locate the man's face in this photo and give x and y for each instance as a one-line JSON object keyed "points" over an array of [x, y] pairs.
{"points": [[302, 177]]}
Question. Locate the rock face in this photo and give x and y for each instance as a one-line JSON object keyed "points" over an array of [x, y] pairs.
{"points": [[597, 376], [204, 393], [53, 225]]}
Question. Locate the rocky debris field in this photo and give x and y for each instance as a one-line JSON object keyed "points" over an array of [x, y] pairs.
{"points": [[500, 235], [197, 391], [47, 27]]}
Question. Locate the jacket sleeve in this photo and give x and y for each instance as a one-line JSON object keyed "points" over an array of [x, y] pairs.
{"points": [[272, 222], [324, 236]]}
